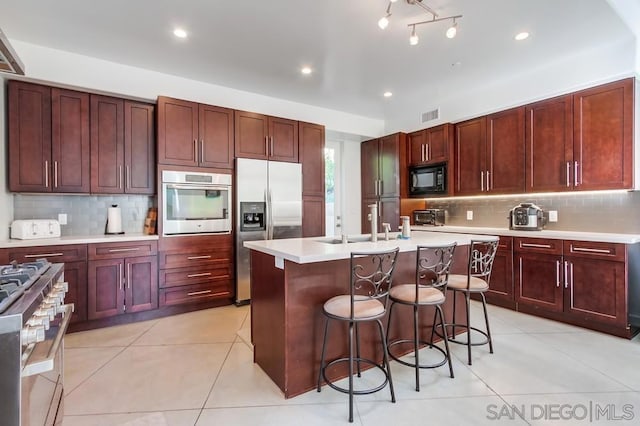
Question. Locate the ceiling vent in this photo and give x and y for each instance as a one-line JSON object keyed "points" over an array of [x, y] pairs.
{"points": [[431, 115], [9, 61]]}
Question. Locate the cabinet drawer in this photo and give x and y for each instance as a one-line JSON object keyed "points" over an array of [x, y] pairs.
{"points": [[194, 275], [195, 293], [121, 250], [505, 244], [589, 249], [54, 254], [194, 258], [537, 245]]}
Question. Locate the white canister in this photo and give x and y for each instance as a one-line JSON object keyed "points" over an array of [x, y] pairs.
{"points": [[406, 227]]}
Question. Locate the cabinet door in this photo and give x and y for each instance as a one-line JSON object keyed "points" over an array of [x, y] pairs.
{"points": [[505, 152], [369, 168], [139, 148], [470, 157], [417, 146], [438, 139], [501, 283], [549, 145], [283, 140], [389, 212], [29, 137], [107, 145], [177, 132], [141, 283], [389, 161], [75, 274], [539, 281], [603, 136], [596, 290], [105, 288], [313, 220], [251, 136], [312, 159], [70, 147], [216, 137]]}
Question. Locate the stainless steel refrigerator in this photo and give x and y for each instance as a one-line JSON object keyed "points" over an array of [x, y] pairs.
{"points": [[268, 207]]}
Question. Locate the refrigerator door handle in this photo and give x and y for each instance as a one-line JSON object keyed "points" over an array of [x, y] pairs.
{"points": [[269, 216]]}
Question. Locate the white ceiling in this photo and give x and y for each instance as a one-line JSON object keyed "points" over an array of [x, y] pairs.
{"points": [[260, 45]]}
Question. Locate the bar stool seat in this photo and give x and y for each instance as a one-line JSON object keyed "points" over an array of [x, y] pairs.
{"points": [[407, 293], [371, 276], [459, 282]]}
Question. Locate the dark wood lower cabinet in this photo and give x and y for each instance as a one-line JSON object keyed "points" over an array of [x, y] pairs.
{"points": [[106, 288], [75, 274], [141, 283], [538, 280], [313, 216]]}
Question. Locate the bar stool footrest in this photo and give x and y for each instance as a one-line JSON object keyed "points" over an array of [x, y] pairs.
{"points": [[360, 391], [409, 364], [452, 337]]}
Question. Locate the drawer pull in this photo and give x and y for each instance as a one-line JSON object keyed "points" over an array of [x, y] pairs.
{"points": [[547, 246], [123, 250], [198, 257], [590, 250], [196, 293], [203, 274], [31, 256]]}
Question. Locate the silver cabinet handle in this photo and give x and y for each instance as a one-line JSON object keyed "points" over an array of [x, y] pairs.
{"points": [[127, 177], [195, 150], [46, 173], [123, 250], [120, 176], [55, 174], [271, 146], [32, 256], [120, 274], [422, 152], [427, 151], [557, 273], [568, 174], [482, 181], [566, 274], [532, 245], [195, 293], [590, 250], [128, 275], [203, 274], [198, 257], [266, 145], [488, 187], [575, 173]]}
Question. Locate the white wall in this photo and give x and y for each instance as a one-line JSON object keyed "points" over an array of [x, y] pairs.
{"points": [[470, 99], [351, 179], [64, 68], [6, 199]]}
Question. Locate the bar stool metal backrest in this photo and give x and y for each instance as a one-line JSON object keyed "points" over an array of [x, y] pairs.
{"points": [[481, 256], [433, 265], [371, 275]]}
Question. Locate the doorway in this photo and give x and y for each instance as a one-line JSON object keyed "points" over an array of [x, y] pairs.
{"points": [[333, 187]]}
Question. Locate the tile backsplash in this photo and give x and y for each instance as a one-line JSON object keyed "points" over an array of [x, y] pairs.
{"points": [[86, 215], [617, 212]]}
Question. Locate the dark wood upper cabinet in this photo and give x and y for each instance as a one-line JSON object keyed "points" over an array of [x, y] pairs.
{"points": [[470, 158], [139, 148], [504, 171], [70, 147], [265, 138], [192, 134], [603, 136], [389, 166], [430, 146], [107, 145], [311, 142], [369, 166], [48, 139], [549, 145]]}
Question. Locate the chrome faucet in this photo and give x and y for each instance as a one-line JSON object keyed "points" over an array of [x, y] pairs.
{"points": [[373, 217], [387, 229]]}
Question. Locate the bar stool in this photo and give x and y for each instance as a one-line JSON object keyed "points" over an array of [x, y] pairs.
{"points": [[371, 274], [481, 255], [433, 264]]}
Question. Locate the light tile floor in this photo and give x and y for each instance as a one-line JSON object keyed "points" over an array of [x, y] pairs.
{"points": [[197, 369]]}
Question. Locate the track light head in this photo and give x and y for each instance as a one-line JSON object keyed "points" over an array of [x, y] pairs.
{"points": [[452, 30], [413, 39], [384, 22]]}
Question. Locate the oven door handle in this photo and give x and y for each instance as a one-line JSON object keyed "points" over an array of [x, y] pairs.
{"points": [[203, 187], [41, 365]]}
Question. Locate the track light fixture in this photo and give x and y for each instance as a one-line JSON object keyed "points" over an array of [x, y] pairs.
{"points": [[413, 39]]}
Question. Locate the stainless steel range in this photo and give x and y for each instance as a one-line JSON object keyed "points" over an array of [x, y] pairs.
{"points": [[33, 320]]}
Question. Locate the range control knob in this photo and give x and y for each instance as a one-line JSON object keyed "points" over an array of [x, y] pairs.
{"points": [[47, 310], [42, 320], [32, 334], [62, 285], [54, 298]]}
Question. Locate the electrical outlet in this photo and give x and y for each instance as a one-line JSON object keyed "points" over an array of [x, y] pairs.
{"points": [[62, 218], [469, 214], [553, 215]]}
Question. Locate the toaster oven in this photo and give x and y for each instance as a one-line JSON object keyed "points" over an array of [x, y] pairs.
{"points": [[434, 217]]}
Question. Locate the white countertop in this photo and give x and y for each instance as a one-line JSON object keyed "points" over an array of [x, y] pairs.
{"points": [[77, 239], [557, 235], [313, 249]]}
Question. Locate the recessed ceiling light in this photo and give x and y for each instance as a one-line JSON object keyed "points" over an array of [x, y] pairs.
{"points": [[387, 94], [306, 70], [180, 33], [521, 36]]}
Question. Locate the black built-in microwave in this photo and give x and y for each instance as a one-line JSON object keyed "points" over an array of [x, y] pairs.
{"points": [[428, 180]]}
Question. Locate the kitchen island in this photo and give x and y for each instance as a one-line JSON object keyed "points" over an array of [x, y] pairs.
{"points": [[292, 278]]}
